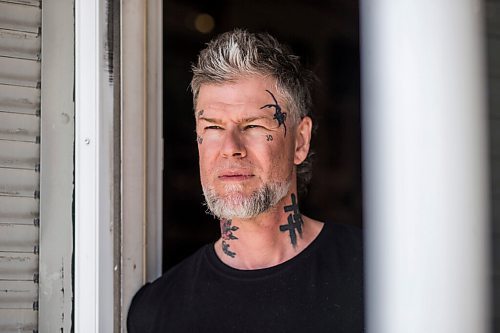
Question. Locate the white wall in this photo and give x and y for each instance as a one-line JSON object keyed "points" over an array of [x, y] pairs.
{"points": [[425, 154]]}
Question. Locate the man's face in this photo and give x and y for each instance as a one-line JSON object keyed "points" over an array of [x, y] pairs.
{"points": [[245, 142]]}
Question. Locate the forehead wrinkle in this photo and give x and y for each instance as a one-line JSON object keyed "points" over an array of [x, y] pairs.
{"points": [[221, 106], [250, 119], [218, 108], [241, 112], [239, 120]]}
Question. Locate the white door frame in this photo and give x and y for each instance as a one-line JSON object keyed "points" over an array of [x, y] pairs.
{"points": [[101, 297], [93, 172]]}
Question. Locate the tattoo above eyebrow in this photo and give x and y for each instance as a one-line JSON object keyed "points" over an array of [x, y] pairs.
{"points": [[227, 235], [200, 113], [279, 116], [295, 221]]}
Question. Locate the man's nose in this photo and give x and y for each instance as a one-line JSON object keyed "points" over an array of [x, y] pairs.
{"points": [[233, 145]]}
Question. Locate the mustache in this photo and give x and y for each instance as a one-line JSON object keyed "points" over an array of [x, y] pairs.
{"points": [[246, 165]]}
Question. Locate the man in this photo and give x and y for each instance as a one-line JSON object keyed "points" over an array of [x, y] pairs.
{"points": [[273, 269]]}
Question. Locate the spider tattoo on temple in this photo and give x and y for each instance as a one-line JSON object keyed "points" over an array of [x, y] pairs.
{"points": [[279, 116]]}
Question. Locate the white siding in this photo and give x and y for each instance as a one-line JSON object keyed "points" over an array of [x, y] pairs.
{"points": [[20, 24]]}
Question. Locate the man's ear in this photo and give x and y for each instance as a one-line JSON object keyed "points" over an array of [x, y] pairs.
{"points": [[302, 140]]}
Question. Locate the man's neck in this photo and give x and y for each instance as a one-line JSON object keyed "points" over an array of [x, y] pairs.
{"points": [[267, 240]]}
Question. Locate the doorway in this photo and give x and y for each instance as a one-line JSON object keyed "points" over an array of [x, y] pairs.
{"points": [[325, 34]]}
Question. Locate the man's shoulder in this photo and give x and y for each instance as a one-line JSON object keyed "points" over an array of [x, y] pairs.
{"points": [[344, 236], [344, 244], [187, 265], [347, 233], [150, 297], [176, 273]]}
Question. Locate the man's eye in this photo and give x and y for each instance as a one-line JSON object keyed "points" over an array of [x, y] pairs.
{"points": [[252, 126], [213, 127]]}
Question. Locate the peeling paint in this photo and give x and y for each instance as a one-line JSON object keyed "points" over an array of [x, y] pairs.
{"points": [[109, 43], [65, 118]]}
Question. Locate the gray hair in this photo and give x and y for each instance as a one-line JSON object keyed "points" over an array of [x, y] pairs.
{"points": [[239, 53], [236, 205]]}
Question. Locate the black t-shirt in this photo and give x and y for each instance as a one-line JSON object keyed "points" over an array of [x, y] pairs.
{"points": [[319, 290]]}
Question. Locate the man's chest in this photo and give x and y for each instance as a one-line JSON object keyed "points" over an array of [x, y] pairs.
{"points": [[280, 306]]}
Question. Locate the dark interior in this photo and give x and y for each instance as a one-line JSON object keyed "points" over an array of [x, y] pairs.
{"points": [[325, 34]]}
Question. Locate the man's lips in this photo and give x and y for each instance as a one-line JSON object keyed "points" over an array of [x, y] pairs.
{"points": [[235, 175]]}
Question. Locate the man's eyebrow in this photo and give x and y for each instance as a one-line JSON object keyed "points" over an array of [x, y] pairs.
{"points": [[244, 120], [210, 120]]}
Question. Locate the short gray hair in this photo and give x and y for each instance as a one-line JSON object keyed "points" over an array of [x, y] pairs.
{"points": [[239, 53]]}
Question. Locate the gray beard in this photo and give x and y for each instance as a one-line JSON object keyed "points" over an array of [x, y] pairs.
{"points": [[234, 204]]}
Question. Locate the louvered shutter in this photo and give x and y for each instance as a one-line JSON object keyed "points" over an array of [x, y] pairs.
{"points": [[20, 34]]}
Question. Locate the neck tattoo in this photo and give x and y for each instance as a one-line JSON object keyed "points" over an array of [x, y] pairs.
{"points": [[294, 220], [227, 235]]}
